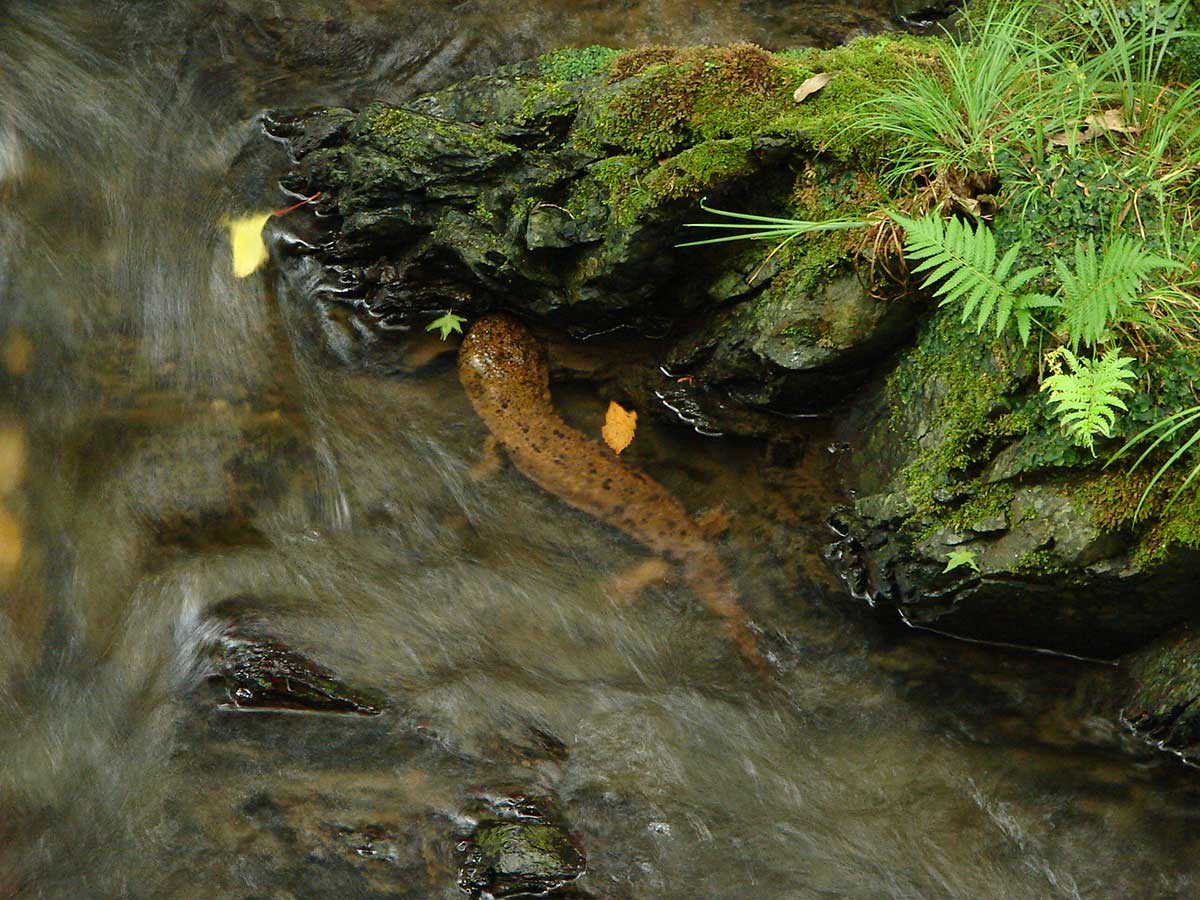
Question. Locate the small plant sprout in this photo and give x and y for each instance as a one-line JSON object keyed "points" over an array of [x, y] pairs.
{"points": [[446, 324]]}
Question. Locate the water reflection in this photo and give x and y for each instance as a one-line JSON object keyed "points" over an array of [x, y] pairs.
{"points": [[178, 446]]}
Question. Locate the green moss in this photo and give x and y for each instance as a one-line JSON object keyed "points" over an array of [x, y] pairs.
{"points": [[482, 214], [824, 190], [697, 94], [547, 100], [672, 98], [403, 134], [860, 69], [577, 64], [988, 501], [623, 179], [965, 387], [1160, 526], [1038, 563], [699, 168]]}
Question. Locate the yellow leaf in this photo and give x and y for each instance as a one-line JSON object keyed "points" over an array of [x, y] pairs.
{"points": [[245, 239], [619, 426], [10, 545], [16, 351], [811, 86]]}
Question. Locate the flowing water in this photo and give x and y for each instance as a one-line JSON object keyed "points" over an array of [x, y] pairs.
{"points": [[179, 450]]}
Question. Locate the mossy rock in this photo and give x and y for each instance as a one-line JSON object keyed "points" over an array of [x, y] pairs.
{"points": [[558, 188], [519, 859], [959, 461]]}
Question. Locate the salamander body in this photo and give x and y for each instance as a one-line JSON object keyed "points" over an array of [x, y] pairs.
{"points": [[504, 372]]}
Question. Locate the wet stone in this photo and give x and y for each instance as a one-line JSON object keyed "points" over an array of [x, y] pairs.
{"points": [[519, 859], [260, 673]]}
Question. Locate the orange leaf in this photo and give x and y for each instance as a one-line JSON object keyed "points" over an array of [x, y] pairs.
{"points": [[619, 426]]}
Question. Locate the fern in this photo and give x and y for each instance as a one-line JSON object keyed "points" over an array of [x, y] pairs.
{"points": [[1088, 394], [965, 264], [1103, 289]]}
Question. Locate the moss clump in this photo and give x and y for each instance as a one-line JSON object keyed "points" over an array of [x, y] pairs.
{"points": [[577, 64], [669, 98], [860, 70], [699, 168], [622, 178], [635, 62], [823, 190], [972, 385], [402, 134], [634, 185], [1159, 525], [1039, 564], [693, 95]]}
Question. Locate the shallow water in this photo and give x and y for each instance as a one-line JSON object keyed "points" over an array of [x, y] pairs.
{"points": [[180, 448]]}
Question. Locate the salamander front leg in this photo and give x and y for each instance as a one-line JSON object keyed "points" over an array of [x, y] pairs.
{"points": [[491, 460], [625, 587]]}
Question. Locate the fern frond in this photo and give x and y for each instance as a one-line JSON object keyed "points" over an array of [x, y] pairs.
{"points": [[1087, 395], [1102, 288], [962, 263]]}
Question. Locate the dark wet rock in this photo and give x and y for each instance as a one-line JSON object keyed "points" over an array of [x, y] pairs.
{"points": [[1163, 701], [261, 674], [521, 852], [792, 347], [557, 188], [311, 840], [922, 14]]}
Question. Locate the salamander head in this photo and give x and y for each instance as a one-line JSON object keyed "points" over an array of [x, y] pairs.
{"points": [[499, 351]]}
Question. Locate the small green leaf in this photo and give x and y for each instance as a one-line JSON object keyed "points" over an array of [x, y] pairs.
{"points": [[446, 324], [959, 558]]}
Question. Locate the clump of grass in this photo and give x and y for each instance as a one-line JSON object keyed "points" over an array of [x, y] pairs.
{"points": [[996, 89]]}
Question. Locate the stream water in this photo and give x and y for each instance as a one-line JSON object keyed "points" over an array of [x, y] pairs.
{"points": [[178, 450]]}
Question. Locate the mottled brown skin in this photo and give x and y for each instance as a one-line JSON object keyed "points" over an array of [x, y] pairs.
{"points": [[503, 370]]}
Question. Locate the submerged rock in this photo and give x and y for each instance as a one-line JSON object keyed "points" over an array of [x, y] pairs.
{"points": [[522, 854], [261, 674], [1162, 703]]}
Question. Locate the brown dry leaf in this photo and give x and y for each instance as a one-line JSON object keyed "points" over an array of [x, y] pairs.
{"points": [[1109, 120], [619, 426], [811, 86], [1096, 125]]}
